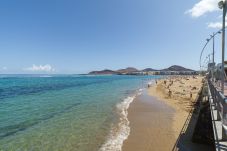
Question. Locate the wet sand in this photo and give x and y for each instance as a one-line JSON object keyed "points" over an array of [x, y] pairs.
{"points": [[151, 125]]}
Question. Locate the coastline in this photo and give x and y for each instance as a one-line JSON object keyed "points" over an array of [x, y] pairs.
{"points": [[120, 132], [157, 117]]}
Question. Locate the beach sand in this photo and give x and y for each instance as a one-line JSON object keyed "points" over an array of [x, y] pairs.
{"points": [[150, 123], [157, 118], [180, 92], [184, 92]]}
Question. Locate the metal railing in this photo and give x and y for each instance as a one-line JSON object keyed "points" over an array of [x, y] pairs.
{"points": [[220, 104]]}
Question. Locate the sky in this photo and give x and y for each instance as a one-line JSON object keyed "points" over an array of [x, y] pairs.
{"points": [[78, 36]]}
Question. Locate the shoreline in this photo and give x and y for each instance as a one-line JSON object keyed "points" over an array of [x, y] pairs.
{"points": [[150, 123], [120, 132]]}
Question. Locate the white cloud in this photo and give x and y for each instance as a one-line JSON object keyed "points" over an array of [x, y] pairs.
{"points": [[45, 68], [203, 7], [214, 25], [219, 17], [4, 68], [217, 25]]}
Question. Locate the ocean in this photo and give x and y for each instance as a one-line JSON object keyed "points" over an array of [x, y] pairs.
{"points": [[66, 112]]}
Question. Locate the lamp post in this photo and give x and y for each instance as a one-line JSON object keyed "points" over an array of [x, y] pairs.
{"points": [[222, 5], [213, 60], [207, 41], [213, 47], [213, 37]]}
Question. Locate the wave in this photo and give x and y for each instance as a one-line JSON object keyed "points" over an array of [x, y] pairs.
{"points": [[120, 132]]}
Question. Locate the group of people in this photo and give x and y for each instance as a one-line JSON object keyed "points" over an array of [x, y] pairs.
{"points": [[169, 83]]}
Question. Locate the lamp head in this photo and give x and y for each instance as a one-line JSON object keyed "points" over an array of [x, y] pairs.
{"points": [[221, 4]]}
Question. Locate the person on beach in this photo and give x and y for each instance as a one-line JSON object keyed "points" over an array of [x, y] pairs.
{"points": [[170, 93]]}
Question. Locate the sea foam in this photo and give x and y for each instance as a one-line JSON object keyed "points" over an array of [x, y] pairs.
{"points": [[118, 135]]}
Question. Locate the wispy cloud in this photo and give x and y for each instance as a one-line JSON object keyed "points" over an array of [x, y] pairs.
{"points": [[38, 68], [203, 7], [214, 25], [4, 68], [219, 17], [217, 25]]}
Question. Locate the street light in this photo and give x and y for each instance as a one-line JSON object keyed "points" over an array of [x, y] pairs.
{"points": [[206, 61], [213, 37], [207, 41], [222, 5]]}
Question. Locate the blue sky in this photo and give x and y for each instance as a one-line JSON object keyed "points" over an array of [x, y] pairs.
{"points": [[77, 36]]}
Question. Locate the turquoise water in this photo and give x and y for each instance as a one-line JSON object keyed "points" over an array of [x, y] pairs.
{"points": [[62, 112]]}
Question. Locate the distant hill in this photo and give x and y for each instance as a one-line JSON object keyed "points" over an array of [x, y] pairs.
{"points": [[133, 71], [176, 68], [127, 70], [106, 71], [148, 69]]}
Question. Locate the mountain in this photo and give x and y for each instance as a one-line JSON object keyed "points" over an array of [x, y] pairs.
{"points": [[176, 68], [134, 71], [127, 70], [148, 69], [106, 71]]}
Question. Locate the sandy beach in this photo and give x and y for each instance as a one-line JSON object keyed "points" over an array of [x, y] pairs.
{"points": [[148, 119], [157, 117]]}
